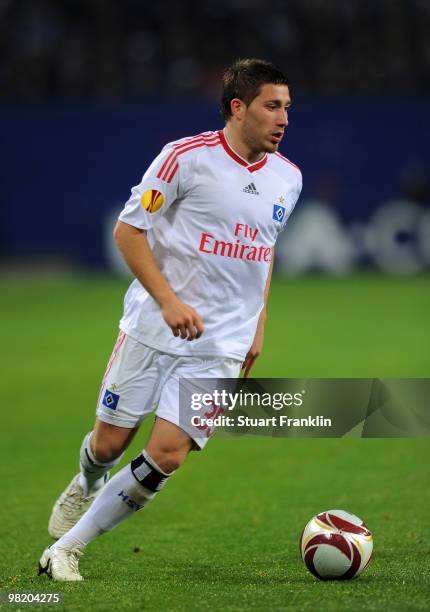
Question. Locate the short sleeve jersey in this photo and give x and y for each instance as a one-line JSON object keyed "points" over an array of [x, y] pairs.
{"points": [[212, 220]]}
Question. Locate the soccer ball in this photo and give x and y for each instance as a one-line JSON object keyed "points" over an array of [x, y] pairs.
{"points": [[336, 545]]}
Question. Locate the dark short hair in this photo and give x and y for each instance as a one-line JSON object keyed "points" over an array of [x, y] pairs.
{"points": [[244, 79]]}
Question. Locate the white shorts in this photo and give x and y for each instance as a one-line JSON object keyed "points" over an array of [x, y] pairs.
{"points": [[140, 379]]}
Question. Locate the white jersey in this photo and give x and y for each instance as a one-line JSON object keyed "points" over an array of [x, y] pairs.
{"points": [[212, 219]]}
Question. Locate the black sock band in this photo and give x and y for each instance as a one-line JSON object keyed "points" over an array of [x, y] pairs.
{"points": [[145, 473]]}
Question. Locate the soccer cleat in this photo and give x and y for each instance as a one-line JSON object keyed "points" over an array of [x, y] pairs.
{"points": [[69, 508], [60, 563]]}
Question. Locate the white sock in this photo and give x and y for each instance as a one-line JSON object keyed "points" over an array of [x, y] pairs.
{"points": [[93, 472], [121, 497]]}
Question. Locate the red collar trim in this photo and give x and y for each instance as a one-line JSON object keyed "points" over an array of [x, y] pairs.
{"points": [[251, 167]]}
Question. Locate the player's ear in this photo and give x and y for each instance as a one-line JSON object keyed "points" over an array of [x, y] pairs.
{"points": [[237, 107]]}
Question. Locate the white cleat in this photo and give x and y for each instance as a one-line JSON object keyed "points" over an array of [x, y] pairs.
{"points": [[60, 563], [69, 508]]}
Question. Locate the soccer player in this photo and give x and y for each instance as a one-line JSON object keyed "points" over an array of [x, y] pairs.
{"points": [[198, 232]]}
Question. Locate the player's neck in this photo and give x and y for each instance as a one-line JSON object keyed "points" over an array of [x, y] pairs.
{"points": [[240, 147]]}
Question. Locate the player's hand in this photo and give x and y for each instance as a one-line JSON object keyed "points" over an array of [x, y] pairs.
{"points": [[182, 319], [255, 350]]}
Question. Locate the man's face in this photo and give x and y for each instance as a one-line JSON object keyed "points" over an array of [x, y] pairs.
{"points": [[266, 118]]}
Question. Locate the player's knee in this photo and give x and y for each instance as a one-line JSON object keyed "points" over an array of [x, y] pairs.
{"points": [[105, 451]]}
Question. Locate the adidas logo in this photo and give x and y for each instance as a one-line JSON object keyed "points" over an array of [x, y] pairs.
{"points": [[251, 188]]}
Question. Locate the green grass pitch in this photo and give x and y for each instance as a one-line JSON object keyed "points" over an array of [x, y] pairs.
{"points": [[223, 535]]}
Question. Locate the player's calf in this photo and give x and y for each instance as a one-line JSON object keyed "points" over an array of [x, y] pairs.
{"points": [[93, 467], [168, 445], [168, 462], [128, 491], [81, 491]]}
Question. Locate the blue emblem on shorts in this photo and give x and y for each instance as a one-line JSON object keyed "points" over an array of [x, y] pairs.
{"points": [[110, 399], [278, 213]]}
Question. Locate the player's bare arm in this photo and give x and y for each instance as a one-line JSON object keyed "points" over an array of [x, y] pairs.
{"points": [[183, 320], [257, 344]]}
